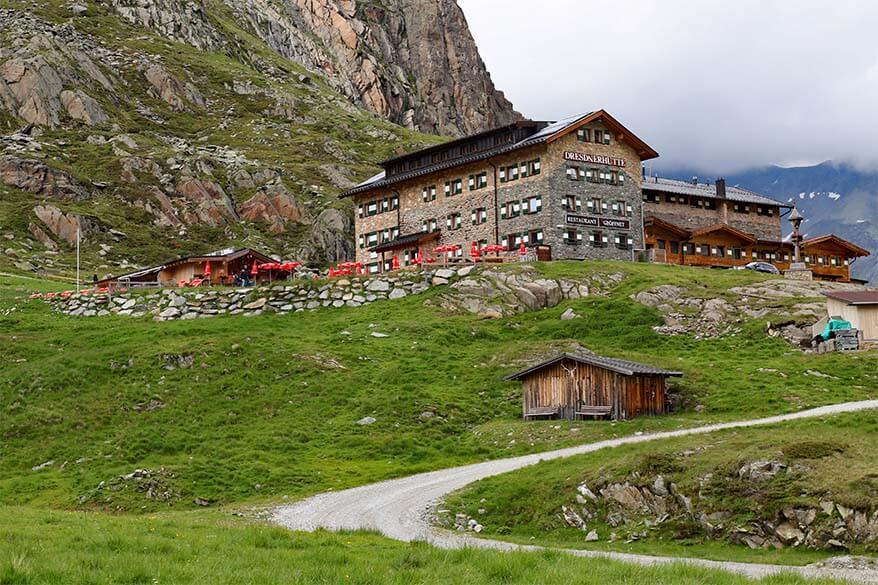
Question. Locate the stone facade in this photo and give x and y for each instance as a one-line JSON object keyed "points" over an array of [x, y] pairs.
{"points": [[547, 222], [763, 227]]}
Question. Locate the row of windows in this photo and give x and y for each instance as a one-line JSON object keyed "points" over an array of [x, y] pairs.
{"points": [[526, 206], [372, 239], [704, 203], [590, 135], [377, 206], [735, 253], [595, 175], [598, 206], [598, 239], [521, 170], [530, 238]]}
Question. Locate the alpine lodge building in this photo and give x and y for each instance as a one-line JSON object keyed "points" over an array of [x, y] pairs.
{"points": [[572, 189]]}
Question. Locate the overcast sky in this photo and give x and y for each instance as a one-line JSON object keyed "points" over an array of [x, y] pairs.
{"points": [[713, 85]]}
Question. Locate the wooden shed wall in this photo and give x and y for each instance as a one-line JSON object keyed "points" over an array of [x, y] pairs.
{"points": [[569, 385]]}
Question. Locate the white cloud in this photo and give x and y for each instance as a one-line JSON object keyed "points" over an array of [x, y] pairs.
{"points": [[715, 85]]}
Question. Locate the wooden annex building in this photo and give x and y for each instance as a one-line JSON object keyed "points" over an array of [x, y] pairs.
{"points": [[577, 385]]}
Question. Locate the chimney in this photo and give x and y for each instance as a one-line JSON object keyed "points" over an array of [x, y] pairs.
{"points": [[720, 188], [695, 181]]}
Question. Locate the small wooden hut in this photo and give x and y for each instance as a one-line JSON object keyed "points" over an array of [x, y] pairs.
{"points": [[578, 385]]}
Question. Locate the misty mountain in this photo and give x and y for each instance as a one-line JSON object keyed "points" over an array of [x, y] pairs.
{"points": [[834, 197]]}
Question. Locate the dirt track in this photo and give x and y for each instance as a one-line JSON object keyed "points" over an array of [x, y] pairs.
{"points": [[399, 508]]}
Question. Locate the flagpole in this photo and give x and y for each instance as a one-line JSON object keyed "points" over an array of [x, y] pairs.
{"points": [[77, 258]]}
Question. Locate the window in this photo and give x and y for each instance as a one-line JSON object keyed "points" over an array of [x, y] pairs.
{"points": [[372, 239], [583, 134], [373, 268], [430, 225], [361, 242], [597, 239], [591, 175], [479, 215], [596, 205], [662, 244], [572, 236], [394, 203], [535, 237], [573, 173], [510, 210], [571, 203], [479, 181], [766, 211], [601, 136], [621, 208], [651, 197], [623, 241], [453, 221], [532, 205], [372, 208], [741, 208], [533, 167], [429, 193], [361, 210], [675, 247], [454, 187]]}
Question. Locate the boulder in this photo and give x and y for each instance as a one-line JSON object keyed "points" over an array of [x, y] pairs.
{"points": [[367, 420], [208, 203], [36, 177], [82, 107], [275, 205], [41, 236], [33, 85], [65, 226], [171, 90]]}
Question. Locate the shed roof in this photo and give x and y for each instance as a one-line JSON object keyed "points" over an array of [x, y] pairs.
{"points": [[407, 240], [854, 297], [707, 190], [624, 367]]}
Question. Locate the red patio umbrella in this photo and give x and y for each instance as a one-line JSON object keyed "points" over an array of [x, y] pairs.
{"points": [[255, 270], [206, 268], [522, 250], [418, 257], [395, 263], [474, 251]]}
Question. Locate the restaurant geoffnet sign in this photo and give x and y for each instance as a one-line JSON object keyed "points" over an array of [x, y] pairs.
{"points": [[609, 223]]}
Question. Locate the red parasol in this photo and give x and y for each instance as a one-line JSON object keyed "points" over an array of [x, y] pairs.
{"points": [[474, 250], [395, 263], [522, 250], [496, 248], [255, 270], [206, 268], [418, 257]]}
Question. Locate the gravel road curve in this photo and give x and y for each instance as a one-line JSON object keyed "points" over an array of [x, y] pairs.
{"points": [[400, 508]]}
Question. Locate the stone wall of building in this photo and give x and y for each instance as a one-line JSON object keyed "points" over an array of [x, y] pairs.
{"points": [[551, 184], [693, 218]]}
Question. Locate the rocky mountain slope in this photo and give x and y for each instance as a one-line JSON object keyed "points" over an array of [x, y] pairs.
{"points": [[160, 127]]}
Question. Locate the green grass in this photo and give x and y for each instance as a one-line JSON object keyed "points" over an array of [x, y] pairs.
{"points": [[834, 456], [178, 549], [259, 417]]}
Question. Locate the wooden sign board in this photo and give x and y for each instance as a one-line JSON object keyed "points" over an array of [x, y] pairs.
{"points": [[609, 223]]}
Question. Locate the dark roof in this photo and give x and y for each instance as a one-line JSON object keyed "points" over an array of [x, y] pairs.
{"points": [[624, 367], [707, 190], [227, 254], [832, 238], [547, 131], [405, 241], [854, 297]]}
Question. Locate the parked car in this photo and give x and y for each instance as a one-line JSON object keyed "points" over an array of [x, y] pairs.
{"points": [[759, 267]]}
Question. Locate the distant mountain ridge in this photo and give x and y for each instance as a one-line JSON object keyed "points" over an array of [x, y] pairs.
{"points": [[835, 198]]}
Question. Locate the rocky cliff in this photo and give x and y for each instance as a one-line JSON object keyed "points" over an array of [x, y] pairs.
{"points": [[163, 127], [410, 61]]}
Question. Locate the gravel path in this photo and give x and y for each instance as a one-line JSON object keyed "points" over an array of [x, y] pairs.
{"points": [[400, 508]]}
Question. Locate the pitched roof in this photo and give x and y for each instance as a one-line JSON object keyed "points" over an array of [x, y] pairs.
{"points": [[723, 227], [707, 190], [552, 131], [406, 240], [624, 367], [654, 221], [854, 297], [841, 242]]}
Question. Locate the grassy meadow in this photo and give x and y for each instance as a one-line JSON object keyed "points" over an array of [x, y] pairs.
{"points": [[267, 413]]}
